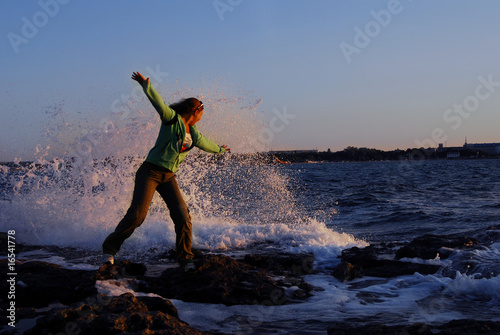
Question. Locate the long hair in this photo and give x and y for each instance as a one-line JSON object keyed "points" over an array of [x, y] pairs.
{"points": [[184, 106]]}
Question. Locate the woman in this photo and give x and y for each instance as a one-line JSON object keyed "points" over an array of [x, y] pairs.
{"points": [[178, 135]]}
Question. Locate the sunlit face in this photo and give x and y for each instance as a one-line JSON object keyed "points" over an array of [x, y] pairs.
{"points": [[198, 112]]}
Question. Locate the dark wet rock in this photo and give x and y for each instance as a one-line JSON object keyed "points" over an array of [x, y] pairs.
{"points": [[158, 304], [485, 236], [217, 279], [172, 253], [49, 249], [360, 255], [385, 261], [429, 246], [289, 268], [455, 327], [121, 269], [3, 243], [347, 272], [492, 234], [358, 262], [475, 327], [386, 268], [125, 314], [41, 283], [283, 264]]}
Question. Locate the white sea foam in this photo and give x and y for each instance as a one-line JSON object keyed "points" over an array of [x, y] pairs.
{"points": [[78, 198], [312, 236], [404, 300], [113, 287], [472, 287]]}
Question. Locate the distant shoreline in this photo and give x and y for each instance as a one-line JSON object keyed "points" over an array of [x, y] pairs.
{"points": [[349, 154], [353, 154]]}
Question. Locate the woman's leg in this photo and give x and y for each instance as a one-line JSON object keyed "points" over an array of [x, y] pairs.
{"points": [[179, 213], [146, 181]]}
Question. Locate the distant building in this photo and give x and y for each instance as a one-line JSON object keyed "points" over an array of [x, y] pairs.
{"points": [[315, 151], [490, 148], [452, 152]]}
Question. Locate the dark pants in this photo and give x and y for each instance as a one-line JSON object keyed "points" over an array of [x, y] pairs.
{"points": [[150, 178]]}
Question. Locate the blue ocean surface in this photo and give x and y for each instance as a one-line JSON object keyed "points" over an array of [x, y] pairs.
{"points": [[320, 208], [397, 201]]}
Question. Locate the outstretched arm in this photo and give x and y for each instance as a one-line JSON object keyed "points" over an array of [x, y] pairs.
{"points": [[207, 145], [166, 113]]}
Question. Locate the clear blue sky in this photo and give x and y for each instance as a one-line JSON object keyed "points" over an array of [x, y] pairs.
{"points": [[351, 74]]}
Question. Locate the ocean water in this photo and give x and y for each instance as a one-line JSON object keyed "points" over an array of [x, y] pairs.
{"points": [[76, 200], [319, 208]]}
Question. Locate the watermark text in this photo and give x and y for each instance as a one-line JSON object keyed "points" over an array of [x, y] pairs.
{"points": [[31, 27], [363, 37], [11, 278]]}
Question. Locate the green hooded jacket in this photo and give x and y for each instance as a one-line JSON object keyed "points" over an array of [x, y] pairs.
{"points": [[167, 149]]}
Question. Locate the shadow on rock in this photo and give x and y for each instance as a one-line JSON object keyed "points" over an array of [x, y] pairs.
{"points": [[221, 279], [430, 246], [358, 262], [114, 315], [41, 283], [120, 270]]}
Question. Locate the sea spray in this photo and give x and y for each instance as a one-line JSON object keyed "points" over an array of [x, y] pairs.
{"points": [[76, 198]]}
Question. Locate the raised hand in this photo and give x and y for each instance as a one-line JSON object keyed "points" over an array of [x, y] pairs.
{"points": [[137, 76]]}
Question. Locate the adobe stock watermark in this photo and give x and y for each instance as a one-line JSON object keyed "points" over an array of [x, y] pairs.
{"points": [[223, 6], [278, 123], [372, 29], [31, 26], [12, 277], [460, 111], [454, 116]]}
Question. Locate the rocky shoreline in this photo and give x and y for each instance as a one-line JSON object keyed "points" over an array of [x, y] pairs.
{"points": [[76, 306], [217, 279]]}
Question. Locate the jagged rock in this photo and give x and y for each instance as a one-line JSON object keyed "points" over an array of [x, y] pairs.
{"points": [[380, 260], [283, 264], [43, 283], [358, 255], [158, 304], [386, 268], [290, 268], [125, 314], [357, 262], [217, 279], [429, 246], [346, 271]]}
